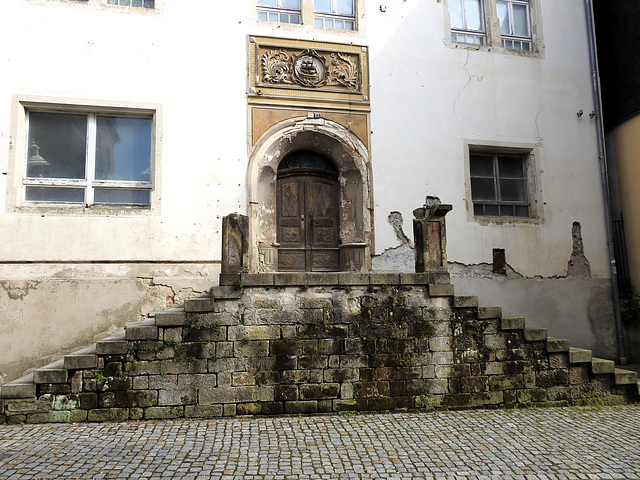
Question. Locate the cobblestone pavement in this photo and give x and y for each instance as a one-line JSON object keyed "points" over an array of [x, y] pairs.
{"points": [[567, 443]]}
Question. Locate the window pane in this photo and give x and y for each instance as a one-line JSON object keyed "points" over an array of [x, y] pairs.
{"points": [[322, 5], [273, 17], [267, 3], [318, 22], [55, 194], [339, 24], [123, 149], [295, 19], [512, 191], [510, 167], [492, 210], [136, 3], [455, 14], [520, 21], [344, 7], [291, 4], [57, 145], [262, 17], [502, 9], [149, 3], [122, 196], [521, 211], [473, 12], [483, 189], [481, 166]]}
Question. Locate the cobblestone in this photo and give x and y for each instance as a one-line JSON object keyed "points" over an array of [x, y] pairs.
{"points": [[548, 444]]}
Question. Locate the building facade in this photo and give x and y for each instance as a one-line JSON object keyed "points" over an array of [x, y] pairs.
{"points": [[131, 128]]}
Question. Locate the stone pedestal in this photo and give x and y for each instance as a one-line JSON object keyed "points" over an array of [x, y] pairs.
{"points": [[430, 237], [235, 244]]}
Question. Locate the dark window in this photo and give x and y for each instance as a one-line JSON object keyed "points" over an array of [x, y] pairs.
{"points": [[499, 184]]}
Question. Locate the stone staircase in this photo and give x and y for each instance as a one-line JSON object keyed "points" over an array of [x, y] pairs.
{"points": [[285, 344]]}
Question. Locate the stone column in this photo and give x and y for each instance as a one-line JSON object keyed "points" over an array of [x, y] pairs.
{"points": [[235, 244], [430, 236]]}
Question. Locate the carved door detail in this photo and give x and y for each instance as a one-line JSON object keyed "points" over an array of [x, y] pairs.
{"points": [[308, 224]]}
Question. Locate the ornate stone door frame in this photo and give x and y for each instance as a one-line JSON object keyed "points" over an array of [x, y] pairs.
{"points": [[356, 200]]}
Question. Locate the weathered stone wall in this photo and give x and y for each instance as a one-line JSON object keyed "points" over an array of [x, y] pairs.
{"points": [[307, 349]]}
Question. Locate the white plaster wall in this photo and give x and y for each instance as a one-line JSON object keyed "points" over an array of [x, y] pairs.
{"points": [[429, 98]]}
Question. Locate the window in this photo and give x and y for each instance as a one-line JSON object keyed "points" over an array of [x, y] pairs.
{"points": [[132, 3], [88, 158], [282, 11], [339, 14], [514, 24], [467, 21], [499, 184]]}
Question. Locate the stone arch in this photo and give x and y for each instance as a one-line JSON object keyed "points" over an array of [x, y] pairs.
{"points": [[350, 156]]}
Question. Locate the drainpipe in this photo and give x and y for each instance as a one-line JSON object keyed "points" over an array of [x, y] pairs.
{"points": [[604, 178]]}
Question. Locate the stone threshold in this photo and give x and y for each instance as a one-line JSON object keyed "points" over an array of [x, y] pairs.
{"points": [[309, 279]]}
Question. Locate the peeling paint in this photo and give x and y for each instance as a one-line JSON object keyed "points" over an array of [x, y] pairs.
{"points": [[16, 292], [481, 270], [578, 264]]}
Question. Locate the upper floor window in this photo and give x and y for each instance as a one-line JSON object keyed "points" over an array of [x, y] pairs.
{"points": [[282, 11], [497, 23], [467, 21], [339, 14], [133, 3], [88, 158], [514, 24]]}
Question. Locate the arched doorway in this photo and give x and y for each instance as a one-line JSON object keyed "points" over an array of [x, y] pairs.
{"points": [[307, 212], [348, 169]]}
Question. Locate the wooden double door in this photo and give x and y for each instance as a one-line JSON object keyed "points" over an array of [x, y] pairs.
{"points": [[307, 205]]}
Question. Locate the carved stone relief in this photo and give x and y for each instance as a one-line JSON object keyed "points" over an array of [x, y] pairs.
{"points": [[310, 68]]}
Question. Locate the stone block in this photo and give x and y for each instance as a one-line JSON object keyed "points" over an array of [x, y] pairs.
{"points": [[552, 378], [112, 347], [251, 348], [506, 382], [389, 279], [285, 392], [440, 344], [324, 278], [422, 278], [349, 278], [354, 361], [556, 345], [260, 332], [465, 301], [625, 377], [579, 355], [227, 365], [23, 407], [184, 365], [452, 371], [202, 411], [349, 405], [138, 398], [294, 376], [142, 332], [171, 318], [232, 292], [427, 386], [474, 384], [198, 305], [80, 361], [290, 279], [229, 410], [163, 413], [512, 323], [533, 334], [242, 379], [312, 361], [485, 313], [300, 406], [558, 360], [50, 375], [441, 290], [319, 391], [599, 365], [183, 396], [108, 415], [262, 393], [341, 375], [204, 334]]}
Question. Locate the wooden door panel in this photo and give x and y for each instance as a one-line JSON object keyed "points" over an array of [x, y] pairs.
{"points": [[290, 203], [322, 207]]}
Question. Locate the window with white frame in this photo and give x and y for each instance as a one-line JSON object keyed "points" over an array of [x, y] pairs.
{"points": [[499, 183], [338, 14], [467, 21], [281, 11], [515, 24], [133, 3], [88, 158]]}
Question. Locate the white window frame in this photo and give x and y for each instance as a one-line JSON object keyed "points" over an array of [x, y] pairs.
{"points": [[308, 15], [130, 3], [332, 16], [20, 154], [461, 35], [494, 40], [511, 37], [280, 10]]}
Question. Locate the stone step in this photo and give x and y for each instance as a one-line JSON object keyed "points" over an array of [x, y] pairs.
{"points": [[465, 301], [145, 330], [114, 345], [486, 313], [625, 377], [84, 358], [512, 323], [174, 317], [557, 345], [579, 355], [600, 365], [21, 388], [533, 334], [52, 373]]}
